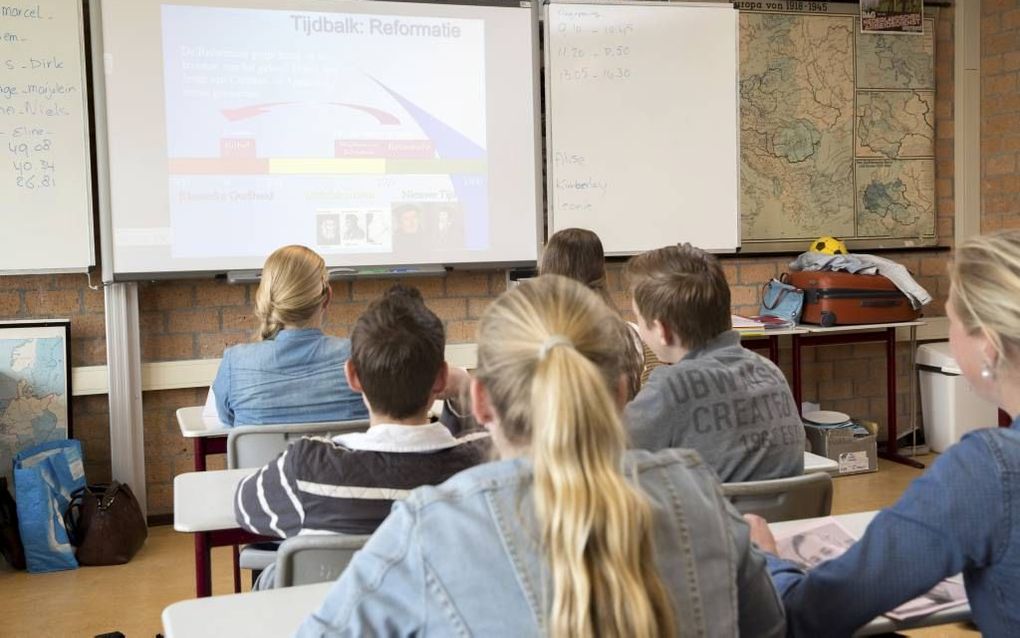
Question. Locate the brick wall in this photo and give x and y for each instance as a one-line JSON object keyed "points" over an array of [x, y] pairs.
{"points": [[69, 297], [1000, 114], [193, 319]]}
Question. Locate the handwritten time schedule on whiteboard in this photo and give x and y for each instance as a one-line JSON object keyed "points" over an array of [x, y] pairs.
{"points": [[45, 177], [642, 123]]}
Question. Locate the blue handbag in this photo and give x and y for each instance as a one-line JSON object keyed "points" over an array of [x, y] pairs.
{"points": [[780, 299], [45, 475]]}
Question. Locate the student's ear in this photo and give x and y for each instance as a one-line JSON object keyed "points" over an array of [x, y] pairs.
{"points": [[662, 333], [481, 407], [442, 378], [329, 298], [351, 373]]}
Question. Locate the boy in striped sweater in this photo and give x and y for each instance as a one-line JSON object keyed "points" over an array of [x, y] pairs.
{"points": [[346, 484]]}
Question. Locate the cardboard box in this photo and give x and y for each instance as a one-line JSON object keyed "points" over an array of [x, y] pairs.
{"points": [[854, 454]]}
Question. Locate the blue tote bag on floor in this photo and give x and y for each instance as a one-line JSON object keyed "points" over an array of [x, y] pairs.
{"points": [[45, 475]]}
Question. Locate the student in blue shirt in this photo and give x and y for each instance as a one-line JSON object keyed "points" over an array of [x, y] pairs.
{"points": [[567, 534], [293, 373], [963, 515]]}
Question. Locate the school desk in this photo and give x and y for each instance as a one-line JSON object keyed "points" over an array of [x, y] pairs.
{"points": [[207, 434], [758, 340], [816, 463], [885, 332], [204, 506], [856, 524], [279, 612]]}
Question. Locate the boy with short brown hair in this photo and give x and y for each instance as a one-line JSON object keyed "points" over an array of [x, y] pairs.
{"points": [[730, 404]]}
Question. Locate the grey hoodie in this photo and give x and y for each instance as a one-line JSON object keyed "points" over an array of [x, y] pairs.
{"points": [[730, 404]]}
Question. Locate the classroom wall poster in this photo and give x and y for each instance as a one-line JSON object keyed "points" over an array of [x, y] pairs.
{"points": [[892, 16]]}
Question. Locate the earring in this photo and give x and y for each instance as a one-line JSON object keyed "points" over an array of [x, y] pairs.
{"points": [[987, 373]]}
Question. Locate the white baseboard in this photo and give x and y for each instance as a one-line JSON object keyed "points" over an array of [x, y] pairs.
{"points": [[199, 373]]}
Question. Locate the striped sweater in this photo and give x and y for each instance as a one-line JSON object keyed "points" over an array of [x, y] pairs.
{"points": [[348, 483]]}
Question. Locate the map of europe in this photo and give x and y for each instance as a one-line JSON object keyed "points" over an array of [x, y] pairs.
{"points": [[33, 395], [837, 130]]}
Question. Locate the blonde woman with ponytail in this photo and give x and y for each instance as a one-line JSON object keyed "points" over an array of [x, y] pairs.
{"points": [[567, 534], [963, 514], [293, 372]]}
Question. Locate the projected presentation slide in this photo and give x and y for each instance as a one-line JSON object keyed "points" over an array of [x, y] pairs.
{"points": [[373, 138]]}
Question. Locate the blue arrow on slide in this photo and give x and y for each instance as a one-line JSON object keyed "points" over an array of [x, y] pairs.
{"points": [[471, 190]]}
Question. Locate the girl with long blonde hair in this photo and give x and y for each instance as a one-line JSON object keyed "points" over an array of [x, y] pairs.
{"points": [[963, 515], [568, 534], [293, 372]]}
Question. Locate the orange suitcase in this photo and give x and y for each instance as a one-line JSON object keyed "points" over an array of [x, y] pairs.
{"points": [[842, 298]]}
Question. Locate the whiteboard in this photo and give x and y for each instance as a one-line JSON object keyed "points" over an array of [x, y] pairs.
{"points": [[45, 175], [642, 124]]}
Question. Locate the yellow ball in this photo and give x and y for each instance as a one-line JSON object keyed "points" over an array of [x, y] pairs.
{"points": [[828, 246]]}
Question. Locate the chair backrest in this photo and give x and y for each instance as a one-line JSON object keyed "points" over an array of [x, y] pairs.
{"points": [[303, 560], [785, 499], [256, 445]]}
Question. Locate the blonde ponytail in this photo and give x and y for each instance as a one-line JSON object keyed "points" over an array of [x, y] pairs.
{"points": [[293, 286], [550, 358]]}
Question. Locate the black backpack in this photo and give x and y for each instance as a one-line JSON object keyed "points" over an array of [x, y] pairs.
{"points": [[10, 537]]}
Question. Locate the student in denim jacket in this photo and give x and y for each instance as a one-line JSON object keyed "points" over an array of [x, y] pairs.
{"points": [[567, 534], [293, 373], [964, 513]]}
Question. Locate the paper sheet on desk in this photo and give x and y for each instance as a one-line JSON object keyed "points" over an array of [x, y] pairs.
{"points": [[210, 416], [815, 542]]}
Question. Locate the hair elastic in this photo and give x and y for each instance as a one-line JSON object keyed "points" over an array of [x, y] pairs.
{"points": [[552, 342]]}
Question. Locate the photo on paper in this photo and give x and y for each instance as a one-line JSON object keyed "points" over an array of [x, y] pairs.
{"points": [[892, 16], [810, 546]]}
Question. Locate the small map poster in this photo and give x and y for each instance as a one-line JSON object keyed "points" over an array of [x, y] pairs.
{"points": [[34, 386]]}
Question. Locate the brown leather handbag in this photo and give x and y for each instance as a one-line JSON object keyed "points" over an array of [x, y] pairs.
{"points": [[106, 524]]}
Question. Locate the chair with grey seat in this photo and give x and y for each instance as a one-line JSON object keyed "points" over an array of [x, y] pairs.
{"points": [[304, 560], [257, 445], [785, 499]]}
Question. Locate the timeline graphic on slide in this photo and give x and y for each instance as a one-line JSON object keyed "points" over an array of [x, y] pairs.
{"points": [[354, 133]]}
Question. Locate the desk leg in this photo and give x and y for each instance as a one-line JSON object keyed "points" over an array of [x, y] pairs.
{"points": [[203, 566], [199, 454], [891, 451], [796, 352], [237, 568], [774, 349]]}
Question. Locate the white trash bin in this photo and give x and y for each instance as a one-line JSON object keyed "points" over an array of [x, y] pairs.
{"points": [[949, 406]]}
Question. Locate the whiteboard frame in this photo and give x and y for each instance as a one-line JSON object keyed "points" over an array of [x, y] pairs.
{"points": [[102, 183], [547, 88], [89, 177]]}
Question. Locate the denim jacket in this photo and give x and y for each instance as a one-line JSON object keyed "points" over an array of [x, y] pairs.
{"points": [[962, 515], [297, 377], [464, 559]]}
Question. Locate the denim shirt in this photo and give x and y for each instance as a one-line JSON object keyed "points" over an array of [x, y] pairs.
{"points": [[297, 377], [963, 514], [464, 559]]}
